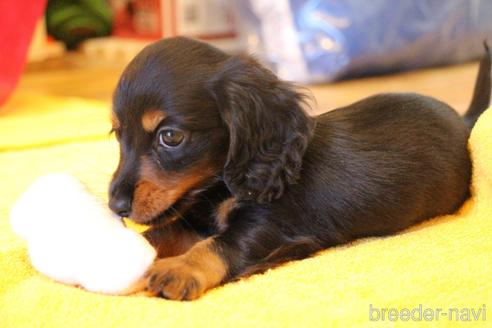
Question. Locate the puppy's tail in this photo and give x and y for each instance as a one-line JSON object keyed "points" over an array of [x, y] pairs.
{"points": [[481, 94]]}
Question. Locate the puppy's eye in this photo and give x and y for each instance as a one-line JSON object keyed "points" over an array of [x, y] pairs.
{"points": [[170, 137]]}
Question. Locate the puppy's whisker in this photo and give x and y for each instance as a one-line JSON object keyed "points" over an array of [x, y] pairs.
{"points": [[202, 196], [176, 212], [181, 217]]}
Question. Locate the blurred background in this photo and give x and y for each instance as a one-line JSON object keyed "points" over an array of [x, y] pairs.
{"points": [[78, 48]]}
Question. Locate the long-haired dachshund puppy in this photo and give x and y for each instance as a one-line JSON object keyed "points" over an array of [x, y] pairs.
{"points": [[233, 177]]}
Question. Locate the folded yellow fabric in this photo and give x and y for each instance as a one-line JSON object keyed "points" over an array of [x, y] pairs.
{"points": [[444, 263], [33, 120]]}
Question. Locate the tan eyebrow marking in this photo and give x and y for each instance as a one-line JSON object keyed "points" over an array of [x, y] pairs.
{"points": [[114, 121], [151, 119]]}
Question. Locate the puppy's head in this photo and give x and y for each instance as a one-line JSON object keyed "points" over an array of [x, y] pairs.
{"points": [[187, 115]]}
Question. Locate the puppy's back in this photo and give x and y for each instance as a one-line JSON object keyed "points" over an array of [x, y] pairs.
{"points": [[387, 162]]}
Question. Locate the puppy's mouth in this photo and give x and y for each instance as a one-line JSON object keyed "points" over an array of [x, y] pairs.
{"points": [[172, 213]]}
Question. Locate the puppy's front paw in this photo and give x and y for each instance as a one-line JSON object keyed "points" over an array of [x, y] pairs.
{"points": [[175, 279], [188, 276]]}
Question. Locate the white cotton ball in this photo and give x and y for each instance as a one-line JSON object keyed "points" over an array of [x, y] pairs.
{"points": [[75, 239]]}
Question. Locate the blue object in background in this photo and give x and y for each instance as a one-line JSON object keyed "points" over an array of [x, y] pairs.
{"points": [[324, 40]]}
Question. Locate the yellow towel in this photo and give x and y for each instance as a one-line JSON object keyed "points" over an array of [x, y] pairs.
{"points": [[445, 263], [32, 120]]}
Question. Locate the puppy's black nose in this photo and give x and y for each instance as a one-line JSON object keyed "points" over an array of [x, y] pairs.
{"points": [[120, 206]]}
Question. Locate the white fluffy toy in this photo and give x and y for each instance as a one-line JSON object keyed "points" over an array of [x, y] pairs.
{"points": [[75, 239]]}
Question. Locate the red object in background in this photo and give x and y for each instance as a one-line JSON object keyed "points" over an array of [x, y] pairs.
{"points": [[18, 20]]}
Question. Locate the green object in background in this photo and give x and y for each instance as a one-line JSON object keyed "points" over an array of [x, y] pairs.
{"points": [[73, 21]]}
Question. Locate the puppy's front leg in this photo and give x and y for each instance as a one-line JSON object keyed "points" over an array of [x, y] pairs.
{"points": [[252, 242], [187, 276], [171, 239]]}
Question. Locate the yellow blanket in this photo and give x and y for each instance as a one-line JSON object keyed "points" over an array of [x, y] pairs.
{"points": [[443, 264]]}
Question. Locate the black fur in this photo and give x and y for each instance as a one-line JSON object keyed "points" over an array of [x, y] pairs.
{"points": [[268, 130], [302, 184]]}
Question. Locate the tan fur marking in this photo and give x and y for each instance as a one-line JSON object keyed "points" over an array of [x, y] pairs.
{"points": [[115, 123], [222, 212], [151, 119], [171, 239], [156, 190], [149, 200], [189, 275], [203, 257]]}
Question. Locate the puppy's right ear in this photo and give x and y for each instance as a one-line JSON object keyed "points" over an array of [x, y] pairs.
{"points": [[268, 129]]}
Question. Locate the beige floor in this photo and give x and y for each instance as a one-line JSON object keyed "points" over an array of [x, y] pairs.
{"points": [[75, 75]]}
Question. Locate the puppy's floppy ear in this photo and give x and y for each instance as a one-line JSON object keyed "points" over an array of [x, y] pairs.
{"points": [[268, 129]]}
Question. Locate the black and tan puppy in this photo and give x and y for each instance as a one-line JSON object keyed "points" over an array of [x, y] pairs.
{"points": [[220, 159]]}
